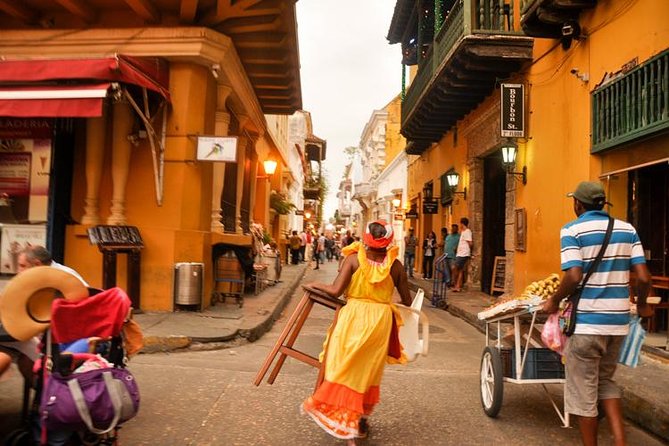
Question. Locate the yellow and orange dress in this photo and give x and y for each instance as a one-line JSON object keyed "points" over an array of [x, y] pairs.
{"points": [[358, 347]]}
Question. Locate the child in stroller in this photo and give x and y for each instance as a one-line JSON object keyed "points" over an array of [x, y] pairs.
{"points": [[83, 392]]}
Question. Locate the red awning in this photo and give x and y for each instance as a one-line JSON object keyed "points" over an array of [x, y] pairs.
{"points": [[80, 101], [150, 73]]}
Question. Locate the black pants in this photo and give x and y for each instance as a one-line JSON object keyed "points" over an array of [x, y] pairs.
{"points": [[428, 262], [294, 256]]}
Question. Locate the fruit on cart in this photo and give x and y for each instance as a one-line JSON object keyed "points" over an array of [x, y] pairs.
{"points": [[542, 288]]}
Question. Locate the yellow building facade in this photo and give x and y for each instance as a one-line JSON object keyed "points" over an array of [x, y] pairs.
{"points": [[595, 109], [219, 86]]}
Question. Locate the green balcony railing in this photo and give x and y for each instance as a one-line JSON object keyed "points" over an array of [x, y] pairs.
{"points": [[466, 17], [634, 106]]}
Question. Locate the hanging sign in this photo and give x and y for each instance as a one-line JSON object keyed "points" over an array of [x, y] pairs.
{"points": [[430, 206], [217, 148], [513, 110], [412, 213]]}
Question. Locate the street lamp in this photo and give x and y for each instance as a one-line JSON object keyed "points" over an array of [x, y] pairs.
{"points": [[509, 153], [307, 215], [396, 203], [453, 178], [270, 166]]}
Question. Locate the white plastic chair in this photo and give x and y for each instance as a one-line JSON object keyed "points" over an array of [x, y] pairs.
{"points": [[410, 336]]}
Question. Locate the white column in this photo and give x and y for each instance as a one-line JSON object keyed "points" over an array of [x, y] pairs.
{"points": [[121, 150], [221, 128], [95, 149]]}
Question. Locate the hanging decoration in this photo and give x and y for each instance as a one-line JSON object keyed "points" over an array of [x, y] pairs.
{"points": [[438, 16]]}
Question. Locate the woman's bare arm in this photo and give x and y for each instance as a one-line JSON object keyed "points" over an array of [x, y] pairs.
{"points": [[349, 266], [401, 281]]}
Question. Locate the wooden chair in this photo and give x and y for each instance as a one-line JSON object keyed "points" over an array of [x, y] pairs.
{"points": [[287, 338]]}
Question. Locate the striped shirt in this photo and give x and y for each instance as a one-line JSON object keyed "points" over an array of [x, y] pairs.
{"points": [[604, 305]]}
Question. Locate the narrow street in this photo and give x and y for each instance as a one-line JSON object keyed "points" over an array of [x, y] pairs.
{"points": [[208, 398]]}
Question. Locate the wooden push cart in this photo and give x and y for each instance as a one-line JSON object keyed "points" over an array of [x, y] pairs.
{"points": [[521, 364]]}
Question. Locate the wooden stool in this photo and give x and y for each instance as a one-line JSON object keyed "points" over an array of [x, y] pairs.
{"points": [[291, 331]]}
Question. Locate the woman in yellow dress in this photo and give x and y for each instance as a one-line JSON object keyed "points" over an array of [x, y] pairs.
{"points": [[364, 336]]}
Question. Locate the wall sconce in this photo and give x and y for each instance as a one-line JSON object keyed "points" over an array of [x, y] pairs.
{"points": [[396, 203], [509, 152], [270, 166], [307, 215], [453, 179]]}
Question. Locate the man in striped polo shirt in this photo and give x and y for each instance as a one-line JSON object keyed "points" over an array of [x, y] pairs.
{"points": [[603, 312]]}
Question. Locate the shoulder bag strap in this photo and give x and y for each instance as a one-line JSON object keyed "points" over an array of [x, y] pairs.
{"points": [[600, 255]]}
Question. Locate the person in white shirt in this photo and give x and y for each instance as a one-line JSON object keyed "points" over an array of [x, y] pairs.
{"points": [[463, 253], [40, 256]]}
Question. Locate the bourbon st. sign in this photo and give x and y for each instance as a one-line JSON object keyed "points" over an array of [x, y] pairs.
{"points": [[513, 111]]}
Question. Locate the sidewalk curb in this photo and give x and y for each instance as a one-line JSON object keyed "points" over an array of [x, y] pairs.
{"points": [[174, 343], [252, 334]]}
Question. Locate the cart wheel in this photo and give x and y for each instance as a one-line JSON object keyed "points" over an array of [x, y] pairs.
{"points": [[442, 304], [492, 384]]}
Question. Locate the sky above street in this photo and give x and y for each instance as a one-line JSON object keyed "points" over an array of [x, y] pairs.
{"points": [[348, 70]]}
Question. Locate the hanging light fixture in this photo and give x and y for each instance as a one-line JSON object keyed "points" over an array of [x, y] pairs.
{"points": [[270, 166], [509, 153], [453, 178]]}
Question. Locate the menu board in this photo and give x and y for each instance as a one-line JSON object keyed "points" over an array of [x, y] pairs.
{"points": [[16, 238]]}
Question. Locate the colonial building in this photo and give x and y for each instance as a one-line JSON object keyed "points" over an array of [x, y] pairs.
{"points": [[121, 105], [572, 93]]}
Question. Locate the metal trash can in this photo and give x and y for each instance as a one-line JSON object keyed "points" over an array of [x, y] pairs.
{"points": [[188, 283]]}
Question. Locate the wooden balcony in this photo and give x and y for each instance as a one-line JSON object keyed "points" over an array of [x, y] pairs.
{"points": [[475, 47], [545, 18], [632, 106]]}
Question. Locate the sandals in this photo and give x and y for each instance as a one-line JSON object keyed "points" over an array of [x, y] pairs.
{"points": [[363, 428]]}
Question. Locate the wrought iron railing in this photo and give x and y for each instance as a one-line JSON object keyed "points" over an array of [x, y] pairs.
{"points": [[229, 211], [245, 216], [633, 106], [466, 17]]}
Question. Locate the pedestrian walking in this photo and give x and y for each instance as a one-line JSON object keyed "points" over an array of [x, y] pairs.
{"points": [[410, 242], [295, 243], [303, 246], [450, 248], [462, 254], [429, 251], [319, 250], [355, 358], [603, 312]]}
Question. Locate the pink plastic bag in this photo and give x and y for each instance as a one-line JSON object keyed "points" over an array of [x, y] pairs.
{"points": [[552, 335]]}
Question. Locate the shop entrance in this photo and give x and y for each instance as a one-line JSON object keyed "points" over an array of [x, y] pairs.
{"points": [[648, 211], [494, 217]]}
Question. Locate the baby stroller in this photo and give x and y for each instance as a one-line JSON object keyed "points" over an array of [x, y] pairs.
{"points": [[83, 390]]}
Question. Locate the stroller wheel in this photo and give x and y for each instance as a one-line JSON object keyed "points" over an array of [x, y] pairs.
{"points": [[18, 437], [442, 304]]}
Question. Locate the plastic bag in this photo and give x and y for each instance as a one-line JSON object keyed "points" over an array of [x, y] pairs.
{"points": [[552, 335], [631, 347]]}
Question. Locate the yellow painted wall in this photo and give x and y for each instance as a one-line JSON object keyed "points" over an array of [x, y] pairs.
{"points": [[557, 152], [177, 231]]}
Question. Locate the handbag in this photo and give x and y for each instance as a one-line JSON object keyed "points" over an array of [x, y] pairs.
{"points": [[568, 314], [97, 400]]}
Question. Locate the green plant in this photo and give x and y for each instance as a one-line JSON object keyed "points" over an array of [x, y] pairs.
{"points": [[266, 237], [280, 203]]}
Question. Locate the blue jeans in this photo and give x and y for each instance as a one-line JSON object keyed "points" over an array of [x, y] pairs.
{"points": [[409, 259]]}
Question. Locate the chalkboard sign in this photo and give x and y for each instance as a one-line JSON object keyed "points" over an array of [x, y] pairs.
{"points": [[498, 273]]}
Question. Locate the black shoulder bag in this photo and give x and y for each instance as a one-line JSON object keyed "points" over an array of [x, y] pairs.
{"points": [[568, 315]]}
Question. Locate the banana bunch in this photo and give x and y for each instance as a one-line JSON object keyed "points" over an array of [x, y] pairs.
{"points": [[542, 288]]}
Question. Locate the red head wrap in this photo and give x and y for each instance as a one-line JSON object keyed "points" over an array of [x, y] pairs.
{"points": [[382, 242]]}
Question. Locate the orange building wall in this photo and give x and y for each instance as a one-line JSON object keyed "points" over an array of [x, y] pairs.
{"points": [[177, 231]]}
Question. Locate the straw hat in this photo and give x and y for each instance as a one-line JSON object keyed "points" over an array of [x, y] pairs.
{"points": [[25, 303]]}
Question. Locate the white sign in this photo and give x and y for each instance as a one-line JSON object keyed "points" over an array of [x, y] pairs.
{"points": [[16, 238], [217, 148]]}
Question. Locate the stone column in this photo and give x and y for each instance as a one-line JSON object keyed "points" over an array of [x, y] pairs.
{"points": [[241, 161], [221, 128], [95, 150], [121, 150]]}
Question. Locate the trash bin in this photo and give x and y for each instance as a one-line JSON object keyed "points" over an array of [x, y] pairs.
{"points": [[188, 283]]}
